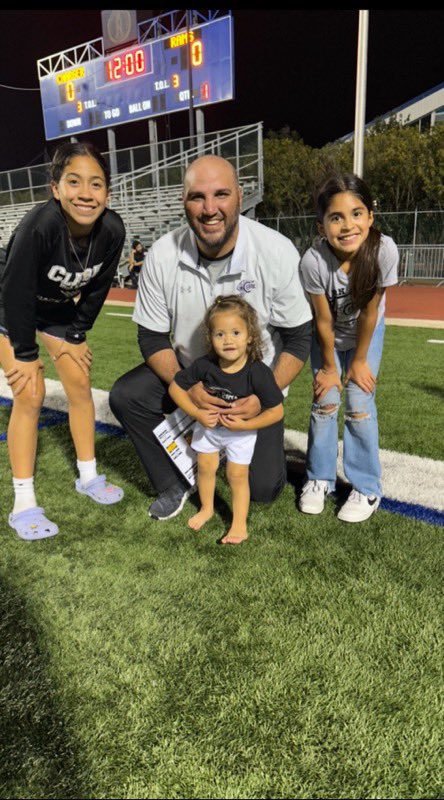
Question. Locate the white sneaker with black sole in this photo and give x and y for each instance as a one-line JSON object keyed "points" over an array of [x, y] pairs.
{"points": [[170, 502], [312, 500], [358, 507]]}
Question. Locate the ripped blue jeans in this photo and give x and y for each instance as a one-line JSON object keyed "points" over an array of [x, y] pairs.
{"points": [[361, 448]]}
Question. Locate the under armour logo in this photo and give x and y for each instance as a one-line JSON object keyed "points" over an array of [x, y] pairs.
{"points": [[184, 289]]}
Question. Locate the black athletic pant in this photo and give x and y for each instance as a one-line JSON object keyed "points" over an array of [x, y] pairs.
{"points": [[139, 400]]}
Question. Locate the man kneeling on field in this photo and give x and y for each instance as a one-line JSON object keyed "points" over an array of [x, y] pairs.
{"points": [[219, 252]]}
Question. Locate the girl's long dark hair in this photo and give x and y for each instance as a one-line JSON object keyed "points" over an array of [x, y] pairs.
{"points": [[365, 275], [236, 305]]}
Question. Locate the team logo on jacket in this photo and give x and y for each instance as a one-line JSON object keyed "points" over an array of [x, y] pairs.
{"points": [[246, 286], [71, 282]]}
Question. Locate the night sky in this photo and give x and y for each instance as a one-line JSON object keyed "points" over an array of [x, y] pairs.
{"points": [[295, 68]]}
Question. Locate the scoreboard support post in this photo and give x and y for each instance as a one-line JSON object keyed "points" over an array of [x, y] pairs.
{"points": [[112, 151], [200, 130], [152, 136]]}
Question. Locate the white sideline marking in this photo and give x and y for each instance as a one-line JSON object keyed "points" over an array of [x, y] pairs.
{"points": [[116, 314], [415, 323], [435, 341], [56, 398], [123, 303], [407, 478]]}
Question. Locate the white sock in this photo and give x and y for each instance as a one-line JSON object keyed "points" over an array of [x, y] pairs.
{"points": [[87, 471], [24, 494]]}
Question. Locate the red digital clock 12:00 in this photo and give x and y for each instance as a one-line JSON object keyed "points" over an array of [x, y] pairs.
{"points": [[126, 65]]}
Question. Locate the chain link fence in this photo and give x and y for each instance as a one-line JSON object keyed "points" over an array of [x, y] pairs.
{"points": [[418, 234], [405, 227]]}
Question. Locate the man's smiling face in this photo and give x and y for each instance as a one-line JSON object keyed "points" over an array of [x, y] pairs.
{"points": [[212, 200]]}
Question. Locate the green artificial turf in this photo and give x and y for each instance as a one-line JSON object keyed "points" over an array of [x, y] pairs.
{"points": [[142, 659], [409, 394]]}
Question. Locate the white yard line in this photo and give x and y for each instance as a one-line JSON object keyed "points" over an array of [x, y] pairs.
{"points": [[406, 478], [406, 323], [128, 303], [415, 323]]}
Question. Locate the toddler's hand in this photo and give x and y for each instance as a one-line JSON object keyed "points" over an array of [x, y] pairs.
{"points": [[234, 423], [246, 407], [208, 419]]}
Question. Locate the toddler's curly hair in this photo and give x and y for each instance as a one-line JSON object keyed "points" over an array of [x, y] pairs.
{"points": [[234, 304]]}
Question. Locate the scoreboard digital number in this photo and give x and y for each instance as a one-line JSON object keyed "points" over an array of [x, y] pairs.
{"points": [[127, 65], [142, 81]]}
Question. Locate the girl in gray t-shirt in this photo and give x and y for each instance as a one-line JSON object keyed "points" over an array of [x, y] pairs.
{"points": [[345, 275]]}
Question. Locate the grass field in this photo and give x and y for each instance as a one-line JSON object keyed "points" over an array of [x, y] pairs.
{"points": [[140, 659]]}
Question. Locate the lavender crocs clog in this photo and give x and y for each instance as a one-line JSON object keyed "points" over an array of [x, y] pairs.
{"points": [[100, 490]]}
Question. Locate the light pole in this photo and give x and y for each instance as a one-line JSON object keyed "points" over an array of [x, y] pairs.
{"points": [[190, 79], [361, 87]]}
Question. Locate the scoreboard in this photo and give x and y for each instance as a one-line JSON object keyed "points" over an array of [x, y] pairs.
{"points": [[141, 81]]}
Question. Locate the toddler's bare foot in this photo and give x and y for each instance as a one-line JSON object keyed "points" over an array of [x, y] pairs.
{"points": [[235, 535], [198, 520]]}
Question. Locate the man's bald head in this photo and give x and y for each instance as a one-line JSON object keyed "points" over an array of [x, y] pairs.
{"points": [[207, 166]]}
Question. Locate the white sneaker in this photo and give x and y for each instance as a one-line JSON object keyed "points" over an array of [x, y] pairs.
{"points": [[313, 496], [358, 507]]}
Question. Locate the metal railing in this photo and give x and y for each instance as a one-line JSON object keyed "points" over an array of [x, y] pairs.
{"points": [[30, 184], [158, 186], [405, 227], [418, 234], [241, 146], [149, 197], [418, 263]]}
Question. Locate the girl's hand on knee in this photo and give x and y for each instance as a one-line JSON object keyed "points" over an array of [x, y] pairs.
{"points": [[22, 372], [80, 353], [325, 380], [361, 374]]}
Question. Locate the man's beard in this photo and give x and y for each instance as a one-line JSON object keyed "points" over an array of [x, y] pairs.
{"points": [[215, 245]]}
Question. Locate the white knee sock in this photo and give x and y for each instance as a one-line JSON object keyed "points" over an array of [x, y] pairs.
{"points": [[24, 494], [87, 471]]}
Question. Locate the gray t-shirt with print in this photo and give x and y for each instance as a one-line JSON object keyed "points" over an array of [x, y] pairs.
{"points": [[321, 273]]}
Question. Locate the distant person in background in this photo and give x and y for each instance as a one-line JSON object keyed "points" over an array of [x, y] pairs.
{"points": [[219, 252], [345, 275], [61, 260], [136, 259]]}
